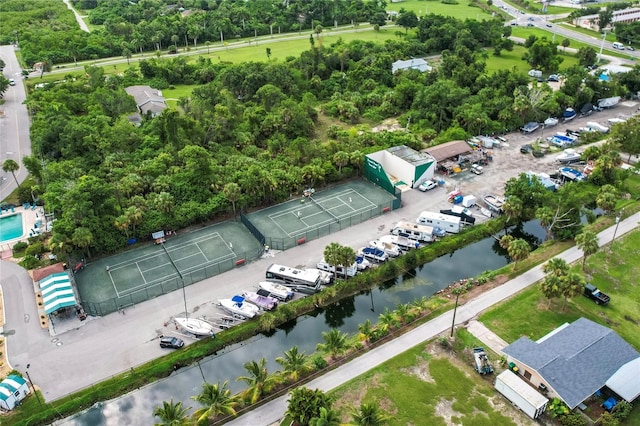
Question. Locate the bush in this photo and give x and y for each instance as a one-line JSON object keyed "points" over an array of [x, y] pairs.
{"points": [[20, 246], [607, 419], [319, 363], [573, 419], [30, 262], [35, 249], [622, 410]]}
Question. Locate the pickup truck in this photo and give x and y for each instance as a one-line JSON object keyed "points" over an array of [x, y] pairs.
{"points": [[593, 293]]}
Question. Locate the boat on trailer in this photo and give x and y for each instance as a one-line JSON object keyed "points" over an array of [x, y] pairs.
{"points": [[494, 203], [264, 302], [195, 326], [276, 290], [238, 307]]}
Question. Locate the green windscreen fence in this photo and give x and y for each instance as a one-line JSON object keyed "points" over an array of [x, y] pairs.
{"points": [[376, 174]]}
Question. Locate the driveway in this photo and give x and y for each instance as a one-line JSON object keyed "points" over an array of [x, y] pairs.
{"points": [[15, 142]]}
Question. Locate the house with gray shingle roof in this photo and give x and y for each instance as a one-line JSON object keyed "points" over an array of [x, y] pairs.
{"points": [[576, 360], [147, 99]]}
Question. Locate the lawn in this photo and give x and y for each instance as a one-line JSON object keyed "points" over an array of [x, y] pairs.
{"points": [[461, 11], [513, 59], [615, 273], [429, 384]]}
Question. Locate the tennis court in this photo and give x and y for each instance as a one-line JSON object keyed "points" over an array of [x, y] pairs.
{"points": [[296, 221], [151, 270]]}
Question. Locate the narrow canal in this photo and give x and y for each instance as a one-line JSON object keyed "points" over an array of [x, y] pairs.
{"points": [[137, 407]]}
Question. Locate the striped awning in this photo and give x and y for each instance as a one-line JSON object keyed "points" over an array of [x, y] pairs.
{"points": [[57, 292]]}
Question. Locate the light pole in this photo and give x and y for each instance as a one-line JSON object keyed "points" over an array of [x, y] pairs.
{"points": [[604, 35], [453, 322], [32, 385], [615, 231]]}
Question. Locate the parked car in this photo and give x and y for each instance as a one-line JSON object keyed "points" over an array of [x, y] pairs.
{"points": [[530, 24], [596, 295], [477, 169], [554, 78], [12, 82], [171, 342], [630, 48], [427, 185], [525, 149], [548, 25]]}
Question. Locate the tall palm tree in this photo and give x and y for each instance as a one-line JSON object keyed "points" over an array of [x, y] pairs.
{"points": [[335, 342], [572, 285], [294, 363], [587, 241], [369, 415], [172, 414], [518, 250], [556, 266], [216, 399], [259, 380], [82, 238], [332, 257], [12, 167]]}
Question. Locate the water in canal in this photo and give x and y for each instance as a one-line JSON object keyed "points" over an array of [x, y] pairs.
{"points": [[137, 407]]}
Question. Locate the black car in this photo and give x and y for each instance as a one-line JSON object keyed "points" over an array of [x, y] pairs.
{"points": [[171, 343], [525, 149]]}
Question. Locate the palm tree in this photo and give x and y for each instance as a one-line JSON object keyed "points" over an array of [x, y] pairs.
{"points": [[366, 330], [556, 266], [172, 414], [216, 399], [232, 193], [134, 216], [12, 167], [341, 158], [388, 319], [82, 238], [572, 285], [518, 250], [259, 380], [587, 241], [332, 257], [402, 312], [328, 417], [294, 363], [512, 208], [551, 287], [369, 415], [164, 202], [335, 342]]}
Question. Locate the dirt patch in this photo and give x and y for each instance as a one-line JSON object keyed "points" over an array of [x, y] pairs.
{"points": [[420, 371], [500, 404], [444, 409]]}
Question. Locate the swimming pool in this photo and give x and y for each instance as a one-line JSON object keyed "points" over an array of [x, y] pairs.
{"points": [[11, 227]]}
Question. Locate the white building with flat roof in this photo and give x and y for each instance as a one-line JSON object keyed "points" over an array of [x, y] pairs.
{"points": [[624, 16]]}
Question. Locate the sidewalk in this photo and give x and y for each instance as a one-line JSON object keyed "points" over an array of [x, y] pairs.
{"points": [[274, 410]]}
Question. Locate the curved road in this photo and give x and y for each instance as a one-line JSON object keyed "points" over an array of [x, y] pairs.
{"points": [[15, 142]]}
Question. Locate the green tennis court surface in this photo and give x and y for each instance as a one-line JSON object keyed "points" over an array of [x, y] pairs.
{"points": [[320, 214], [145, 272]]}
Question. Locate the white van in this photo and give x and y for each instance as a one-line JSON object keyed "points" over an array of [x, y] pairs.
{"points": [[618, 45]]}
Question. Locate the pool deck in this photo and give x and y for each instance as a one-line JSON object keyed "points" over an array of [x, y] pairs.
{"points": [[29, 219]]}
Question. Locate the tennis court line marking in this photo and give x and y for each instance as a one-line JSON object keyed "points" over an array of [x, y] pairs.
{"points": [[293, 210], [173, 248], [202, 253]]}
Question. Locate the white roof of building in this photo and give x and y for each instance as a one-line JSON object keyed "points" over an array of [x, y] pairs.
{"points": [[413, 63], [626, 381]]}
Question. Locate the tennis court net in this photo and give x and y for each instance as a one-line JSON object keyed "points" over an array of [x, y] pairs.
{"points": [[336, 218]]}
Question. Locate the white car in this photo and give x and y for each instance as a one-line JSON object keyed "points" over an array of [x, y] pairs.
{"points": [[12, 82], [427, 185]]}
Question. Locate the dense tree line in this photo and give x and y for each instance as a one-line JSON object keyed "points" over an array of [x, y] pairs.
{"points": [[248, 135]]}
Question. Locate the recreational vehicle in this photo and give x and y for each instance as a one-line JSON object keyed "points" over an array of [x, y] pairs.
{"points": [[413, 231], [342, 272], [308, 281], [449, 223]]}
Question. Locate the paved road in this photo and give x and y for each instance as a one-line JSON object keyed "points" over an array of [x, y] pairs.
{"points": [[15, 142], [273, 411], [81, 23]]}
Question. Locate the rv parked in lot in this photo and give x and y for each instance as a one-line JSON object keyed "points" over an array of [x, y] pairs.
{"points": [[402, 242], [303, 281], [342, 272], [413, 231], [449, 223]]}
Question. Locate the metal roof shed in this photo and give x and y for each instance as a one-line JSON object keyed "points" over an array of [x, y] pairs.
{"points": [[13, 389], [626, 381]]}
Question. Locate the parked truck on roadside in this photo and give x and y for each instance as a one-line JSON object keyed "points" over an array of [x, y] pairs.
{"points": [[593, 293]]}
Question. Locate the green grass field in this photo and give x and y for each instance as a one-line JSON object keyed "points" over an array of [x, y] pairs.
{"points": [[426, 385], [460, 11], [513, 59]]}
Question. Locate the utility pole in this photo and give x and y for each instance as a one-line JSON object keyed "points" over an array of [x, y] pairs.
{"points": [[604, 35], [32, 385]]}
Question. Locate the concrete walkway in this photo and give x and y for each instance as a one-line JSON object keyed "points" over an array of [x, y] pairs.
{"points": [[486, 336], [273, 411]]}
